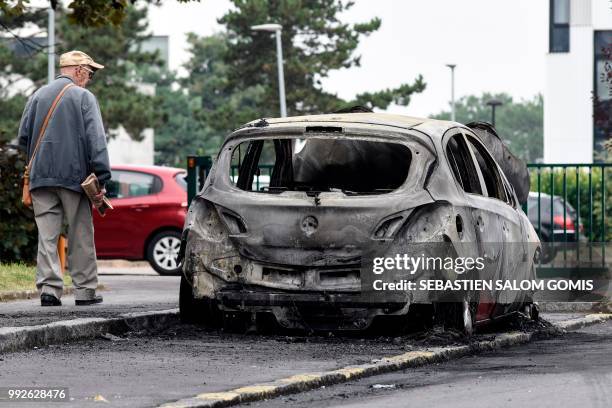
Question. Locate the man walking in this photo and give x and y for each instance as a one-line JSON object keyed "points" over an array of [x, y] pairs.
{"points": [[72, 145]]}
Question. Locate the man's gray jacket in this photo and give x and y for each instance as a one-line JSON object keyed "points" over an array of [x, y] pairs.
{"points": [[74, 144]]}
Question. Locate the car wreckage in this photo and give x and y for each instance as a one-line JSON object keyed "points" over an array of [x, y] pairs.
{"points": [[344, 189]]}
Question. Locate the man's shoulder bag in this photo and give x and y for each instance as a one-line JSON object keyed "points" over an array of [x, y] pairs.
{"points": [[26, 197]]}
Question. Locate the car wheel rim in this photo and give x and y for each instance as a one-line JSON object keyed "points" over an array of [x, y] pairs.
{"points": [[165, 252]]}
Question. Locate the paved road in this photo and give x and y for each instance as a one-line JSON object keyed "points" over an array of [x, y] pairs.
{"points": [[571, 371], [125, 293], [145, 369]]}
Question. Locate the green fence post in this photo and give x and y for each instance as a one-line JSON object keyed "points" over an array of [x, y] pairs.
{"points": [[191, 178], [198, 168]]}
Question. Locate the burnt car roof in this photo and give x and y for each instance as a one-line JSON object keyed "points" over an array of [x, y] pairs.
{"points": [[432, 127]]}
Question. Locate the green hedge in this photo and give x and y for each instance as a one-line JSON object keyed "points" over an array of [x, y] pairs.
{"points": [[574, 196], [18, 233]]}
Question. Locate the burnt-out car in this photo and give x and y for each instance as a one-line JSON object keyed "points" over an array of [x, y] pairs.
{"points": [[344, 190]]}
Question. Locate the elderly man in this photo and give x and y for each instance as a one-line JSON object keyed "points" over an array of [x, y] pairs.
{"points": [[72, 146]]}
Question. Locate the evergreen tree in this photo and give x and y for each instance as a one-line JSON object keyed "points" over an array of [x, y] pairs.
{"points": [[118, 48], [314, 42]]}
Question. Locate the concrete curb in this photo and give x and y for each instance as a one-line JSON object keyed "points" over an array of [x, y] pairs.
{"points": [[309, 381], [20, 338], [32, 294]]}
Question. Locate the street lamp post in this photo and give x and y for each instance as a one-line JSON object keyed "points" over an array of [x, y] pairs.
{"points": [[51, 46], [493, 103], [277, 28], [452, 68]]}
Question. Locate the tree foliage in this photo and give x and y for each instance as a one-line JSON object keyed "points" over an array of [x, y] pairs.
{"points": [[314, 42], [520, 124], [23, 68], [86, 13], [233, 74], [118, 48], [17, 227]]}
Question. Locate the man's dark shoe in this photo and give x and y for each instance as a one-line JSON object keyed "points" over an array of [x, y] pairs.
{"points": [[49, 300], [86, 302]]}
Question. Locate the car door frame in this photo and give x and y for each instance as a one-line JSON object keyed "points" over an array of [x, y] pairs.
{"points": [[513, 255], [131, 247]]}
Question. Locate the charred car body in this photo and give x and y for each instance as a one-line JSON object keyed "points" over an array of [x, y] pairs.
{"points": [[343, 189]]}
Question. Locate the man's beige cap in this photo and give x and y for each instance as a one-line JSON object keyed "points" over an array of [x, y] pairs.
{"points": [[78, 58]]}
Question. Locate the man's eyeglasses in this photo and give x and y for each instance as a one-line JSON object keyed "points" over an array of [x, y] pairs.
{"points": [[89, 71]]}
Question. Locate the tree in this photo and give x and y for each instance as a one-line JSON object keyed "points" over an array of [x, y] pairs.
{"points": [[118, 48], [87, 13], [198, 111], [233, 74], [314, 42], [23, 69], [180, 131], [519, 124]]}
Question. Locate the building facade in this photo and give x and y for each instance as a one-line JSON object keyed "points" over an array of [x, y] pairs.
{"points": [[122, 149], [578, 89]]}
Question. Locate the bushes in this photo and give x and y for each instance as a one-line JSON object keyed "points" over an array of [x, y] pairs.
{"points": [[18, 233], [582, 196]]}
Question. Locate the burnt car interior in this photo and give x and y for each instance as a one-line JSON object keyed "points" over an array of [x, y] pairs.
{"points": [[326, 164], [466, 173], [462, 165]]}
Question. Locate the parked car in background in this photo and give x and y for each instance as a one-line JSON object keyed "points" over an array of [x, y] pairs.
{"points": [[150, 204], [554, 227]]}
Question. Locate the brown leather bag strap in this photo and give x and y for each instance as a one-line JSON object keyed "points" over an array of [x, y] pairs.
{"points": [[41, 134]]}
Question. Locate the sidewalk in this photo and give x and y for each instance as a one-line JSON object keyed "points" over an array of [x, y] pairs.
{"points": [[123, 294], [119, 267], [135, 287]]}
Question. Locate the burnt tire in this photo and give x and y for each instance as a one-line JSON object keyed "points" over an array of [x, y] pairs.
{"points": [[197, 311], [531, 311], [458, 315], [162, 252]]}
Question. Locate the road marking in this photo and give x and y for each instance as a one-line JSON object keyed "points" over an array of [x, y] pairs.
{"points": [[308, 381]]}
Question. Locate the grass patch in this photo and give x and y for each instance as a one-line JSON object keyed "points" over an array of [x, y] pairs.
{"points": [[18, 276]]}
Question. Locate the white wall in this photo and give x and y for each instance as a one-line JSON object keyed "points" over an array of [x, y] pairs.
{"points": [[123, 150], [568, 108], [601, 14]]}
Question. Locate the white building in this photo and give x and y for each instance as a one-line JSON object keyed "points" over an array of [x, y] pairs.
{"points": [[122, 149], [579, 33]]}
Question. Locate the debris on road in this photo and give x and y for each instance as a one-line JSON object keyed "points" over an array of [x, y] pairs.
{"points": [[382, 386], [111, 337]]}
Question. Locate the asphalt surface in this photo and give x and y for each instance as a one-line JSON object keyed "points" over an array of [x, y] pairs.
{"points": [[133, 292], [143, 369], [574, 370]]}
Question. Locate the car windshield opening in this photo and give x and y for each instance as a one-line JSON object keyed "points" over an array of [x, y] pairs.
{"points": [[314, 165]]}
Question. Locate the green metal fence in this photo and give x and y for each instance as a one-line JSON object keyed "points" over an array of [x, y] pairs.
{"points": [[569, 206], [262, 177]]}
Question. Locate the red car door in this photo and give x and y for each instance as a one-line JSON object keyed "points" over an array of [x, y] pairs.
{"points": [[122, 232]]}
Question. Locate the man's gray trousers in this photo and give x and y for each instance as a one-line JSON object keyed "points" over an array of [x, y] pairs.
{"points": [[53, 205]]}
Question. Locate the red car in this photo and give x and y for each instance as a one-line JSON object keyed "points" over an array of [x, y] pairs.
{"points": [[150, 205]]}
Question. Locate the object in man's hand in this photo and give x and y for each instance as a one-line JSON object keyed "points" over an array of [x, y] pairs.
{"points": [[91, 186]]}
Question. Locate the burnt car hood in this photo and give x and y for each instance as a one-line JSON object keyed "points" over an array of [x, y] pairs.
{"points": [[294, 229]]}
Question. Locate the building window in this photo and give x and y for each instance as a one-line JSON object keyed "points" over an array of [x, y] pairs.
{"points": [[559, 25]]}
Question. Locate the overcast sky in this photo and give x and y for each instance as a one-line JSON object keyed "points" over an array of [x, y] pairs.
{"points": [[498, 45]]}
